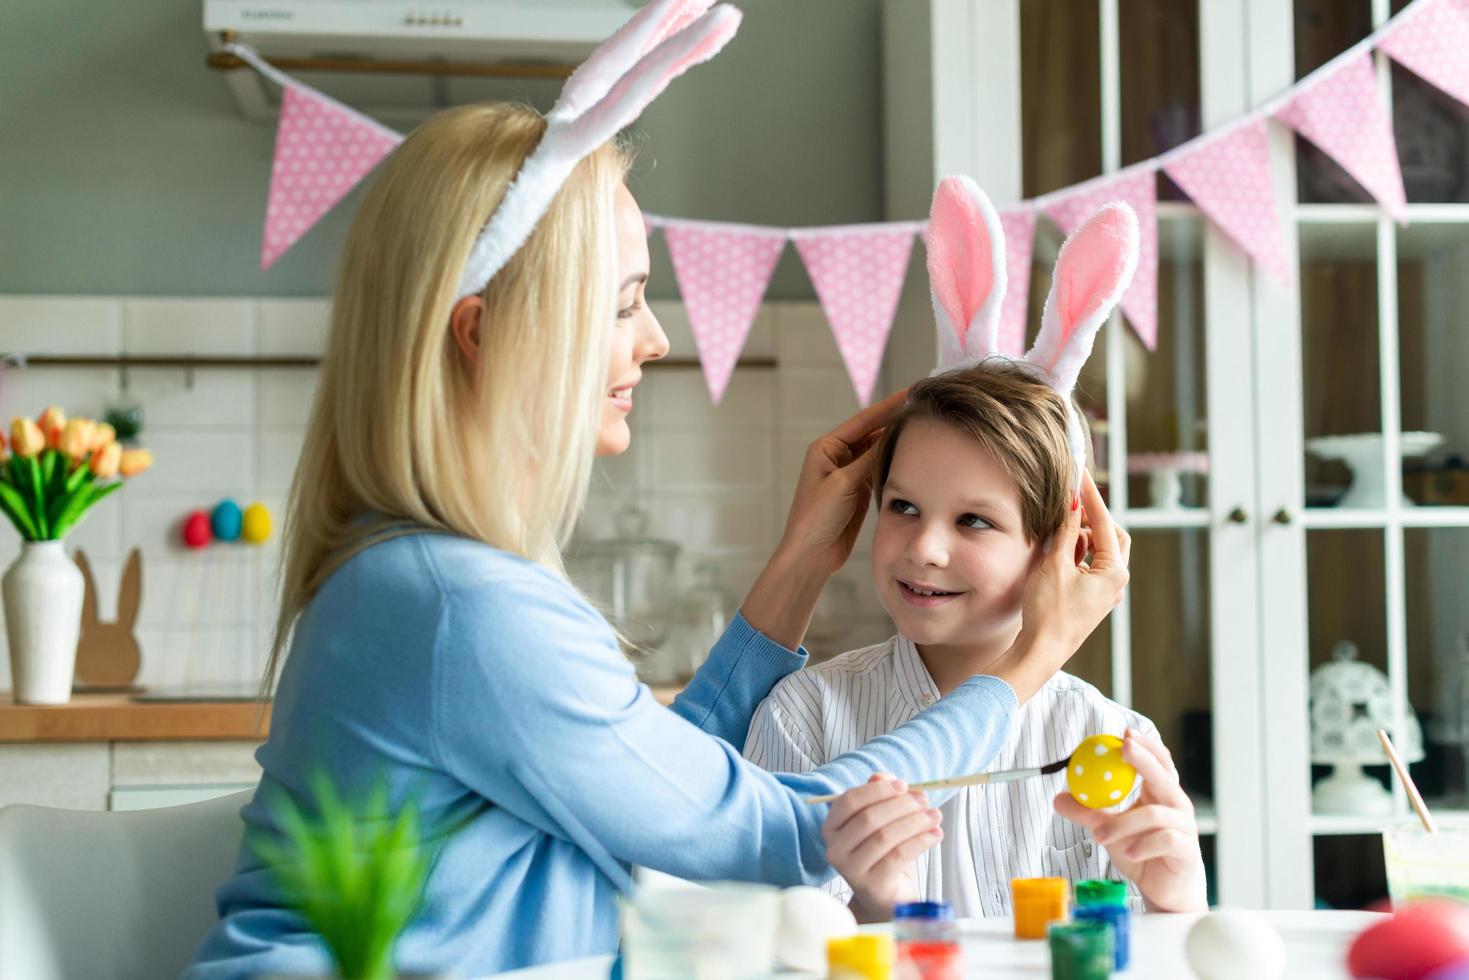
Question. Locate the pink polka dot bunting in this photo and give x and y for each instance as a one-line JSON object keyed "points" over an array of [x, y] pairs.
{"points": [[322, 150], [1019, 228], [1343, 114], [858, 273], [1432, 42], [1140, 190], [1229, 179], [722, 272]]}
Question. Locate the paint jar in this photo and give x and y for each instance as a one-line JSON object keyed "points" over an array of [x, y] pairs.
{"points": [[1117, 919], [865, 956], [1080, 950], [1038, 902], [928, 941], [1101, 891]]}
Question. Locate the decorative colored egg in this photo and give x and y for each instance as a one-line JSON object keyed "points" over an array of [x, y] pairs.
{"points": [[226, 520], [196, 530], [1420, 938], [1097, 775], [256, 525]]}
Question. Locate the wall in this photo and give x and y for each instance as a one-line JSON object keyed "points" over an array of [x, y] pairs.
{"points": [[127, 170], [718, 480]]}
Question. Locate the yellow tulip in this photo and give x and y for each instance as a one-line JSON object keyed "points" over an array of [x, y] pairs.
{"points": [[53, 424], [106, 461], [103, 436], [134, 461], [25, 437], [76, 438]]}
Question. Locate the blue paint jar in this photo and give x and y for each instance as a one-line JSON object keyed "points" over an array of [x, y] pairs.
{"points": [[1115, 916]]}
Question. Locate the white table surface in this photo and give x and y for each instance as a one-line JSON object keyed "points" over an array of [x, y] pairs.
{"points": [[1316, 948]]}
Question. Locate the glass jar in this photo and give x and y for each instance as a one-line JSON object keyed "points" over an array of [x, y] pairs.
{"points": [[630, 577]]}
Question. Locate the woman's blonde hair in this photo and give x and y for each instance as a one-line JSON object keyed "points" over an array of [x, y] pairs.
{"points": [[405, 432], [1018, 418]]}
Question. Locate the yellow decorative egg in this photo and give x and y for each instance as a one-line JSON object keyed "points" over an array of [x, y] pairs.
{"points": [[255, 524], [1097, 775]]}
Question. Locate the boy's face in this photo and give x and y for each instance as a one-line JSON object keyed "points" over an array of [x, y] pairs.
{"points": [[949, 522]]}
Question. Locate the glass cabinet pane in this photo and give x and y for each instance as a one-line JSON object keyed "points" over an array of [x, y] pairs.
{"points": [[1341, 402], [1438, 660], [1158, 53], [1059, 56], [1433, 293], [1167, 427], [1324, 29], [1432, 131]]}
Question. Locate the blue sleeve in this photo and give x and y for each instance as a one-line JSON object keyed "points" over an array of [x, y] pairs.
{"points": [[536, 709], [742, 668]]}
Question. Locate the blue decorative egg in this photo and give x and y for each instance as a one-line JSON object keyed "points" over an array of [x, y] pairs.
{"points": [[226, 521]]}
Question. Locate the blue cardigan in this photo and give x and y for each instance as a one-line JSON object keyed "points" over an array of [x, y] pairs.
{"points": [[487, 689]]}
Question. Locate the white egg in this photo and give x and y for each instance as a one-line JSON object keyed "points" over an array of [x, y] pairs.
{"points": [[808, 918], [1232, 944]]}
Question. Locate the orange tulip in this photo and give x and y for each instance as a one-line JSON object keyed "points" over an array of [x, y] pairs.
{"points": [[25, 437], [106, 461], [76, 438], [103, 436], [134, 461], [53, 424]]}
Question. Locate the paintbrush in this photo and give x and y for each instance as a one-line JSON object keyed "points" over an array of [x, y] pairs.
{"points": [[973, 779]]}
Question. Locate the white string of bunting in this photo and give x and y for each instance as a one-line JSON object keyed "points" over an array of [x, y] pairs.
{"points": [[324, 148]]}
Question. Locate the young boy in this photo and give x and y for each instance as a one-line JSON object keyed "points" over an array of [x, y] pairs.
{"points": [[971, 481]]}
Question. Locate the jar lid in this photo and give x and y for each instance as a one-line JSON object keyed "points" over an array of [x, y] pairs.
{"points": [[924, 910], [1101, 891], [868, 955], [1038, 889]]}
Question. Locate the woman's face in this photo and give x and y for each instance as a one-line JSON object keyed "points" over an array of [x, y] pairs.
{"points": [[636, 335], [949, 556]]}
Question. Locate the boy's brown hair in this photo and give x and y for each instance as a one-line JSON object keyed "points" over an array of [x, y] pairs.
{"points": [[1019, 419]]}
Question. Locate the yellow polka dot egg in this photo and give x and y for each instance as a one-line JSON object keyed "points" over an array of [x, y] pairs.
{"points": [[1097, 775]]}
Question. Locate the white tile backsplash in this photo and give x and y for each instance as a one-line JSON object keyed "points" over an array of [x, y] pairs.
{"points": [[60, 325], [716, 479]]}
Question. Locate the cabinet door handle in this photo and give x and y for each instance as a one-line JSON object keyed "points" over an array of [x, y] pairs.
{"points": [[1238, 516], [1282, 517]]}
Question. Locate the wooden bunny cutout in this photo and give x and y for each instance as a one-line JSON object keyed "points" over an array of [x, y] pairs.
{"points": [[107, 654]]}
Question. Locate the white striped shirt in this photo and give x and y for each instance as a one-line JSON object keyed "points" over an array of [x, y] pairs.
{"points": [[991, 833]]}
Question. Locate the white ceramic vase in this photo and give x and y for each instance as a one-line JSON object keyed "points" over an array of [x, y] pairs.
{"points": [[43, 620]]}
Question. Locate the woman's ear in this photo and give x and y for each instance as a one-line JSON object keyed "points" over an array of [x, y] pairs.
{"points": [[464, 321]]}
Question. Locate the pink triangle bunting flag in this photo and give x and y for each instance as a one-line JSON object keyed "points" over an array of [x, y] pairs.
{"points": [[858, 273], [322, 150], [1342, 113], [1432, 42], [1140, 190], [722, 272], [1228, 177]]}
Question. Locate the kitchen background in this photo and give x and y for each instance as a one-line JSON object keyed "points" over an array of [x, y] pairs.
{"points": [[138, 231]]}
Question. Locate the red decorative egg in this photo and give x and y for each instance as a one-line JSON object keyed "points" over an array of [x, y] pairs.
{"points": [[196, 530], [1420, 938]]}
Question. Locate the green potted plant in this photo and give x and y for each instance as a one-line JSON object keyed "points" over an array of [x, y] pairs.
{"points": [[52, 473], [354, 873]]}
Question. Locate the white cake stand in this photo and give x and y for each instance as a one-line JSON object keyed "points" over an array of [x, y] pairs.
{"points": [[1362, 452]]}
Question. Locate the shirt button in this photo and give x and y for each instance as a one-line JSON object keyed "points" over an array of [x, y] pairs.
{"points": [[998, 898], [927, 700], [1087, 849]]}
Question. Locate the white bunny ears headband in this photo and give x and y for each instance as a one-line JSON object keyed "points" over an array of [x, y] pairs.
{"points": [[609, 91], [966, 275]]}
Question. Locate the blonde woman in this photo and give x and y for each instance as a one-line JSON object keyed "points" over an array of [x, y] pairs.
{"points": [[435, 639]]}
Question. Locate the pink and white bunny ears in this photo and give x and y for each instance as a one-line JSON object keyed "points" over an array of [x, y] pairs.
{"points": [[966, 274], [610, 89]]}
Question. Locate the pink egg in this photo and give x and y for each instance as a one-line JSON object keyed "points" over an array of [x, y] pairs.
{"points": [[196, 530], [1419, 939]]}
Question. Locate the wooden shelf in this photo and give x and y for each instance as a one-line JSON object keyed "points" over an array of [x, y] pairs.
{"points": [[117, 718]]}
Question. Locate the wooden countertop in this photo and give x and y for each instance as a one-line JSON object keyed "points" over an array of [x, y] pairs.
{"points": [[116, 717]]}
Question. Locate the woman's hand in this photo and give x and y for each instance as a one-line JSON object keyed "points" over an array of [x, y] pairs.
{"points": [[1155, 842], [1067, 597], [831, 501], [873, 834]]}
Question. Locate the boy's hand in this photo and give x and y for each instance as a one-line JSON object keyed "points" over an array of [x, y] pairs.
{"points": [[1155, 842], [873, 833]]}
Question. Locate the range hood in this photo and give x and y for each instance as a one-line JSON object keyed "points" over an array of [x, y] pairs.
{"points": [[515, 38]]}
